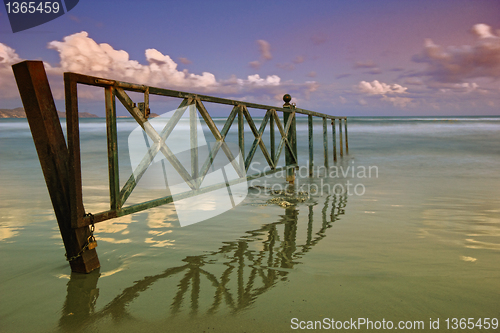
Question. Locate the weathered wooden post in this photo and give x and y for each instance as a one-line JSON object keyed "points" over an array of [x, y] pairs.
{"points": [[340, 137], [311, 145], [346, 144], [241, 132], [271, 136], [291, 137], [55, 161], [325, 141], [334, 141]]}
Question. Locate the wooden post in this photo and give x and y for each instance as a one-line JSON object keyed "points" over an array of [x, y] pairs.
{"points": [[340, 137], [193, 138], [346, 144], [325, 141], [311, 145], [290, 175], [334, 142], [112, 136], [54, 158], [241, 131], [271, 136]]}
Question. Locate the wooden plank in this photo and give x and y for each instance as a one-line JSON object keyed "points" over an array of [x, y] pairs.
{"points": [[340, 138], [101, 82], [74, 163], [75, 179], [54, 157], [193, 140], [112, 139], [241, 131], [290, 137], [346, 144], [325, 141], [334, 141], [311, 144]]}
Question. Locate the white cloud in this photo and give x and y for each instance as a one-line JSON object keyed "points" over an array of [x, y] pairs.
{"points": [[8, 55], [379, 88], [455, 64], [80, 53], [482, 30], [272, 80], [376, 88]]}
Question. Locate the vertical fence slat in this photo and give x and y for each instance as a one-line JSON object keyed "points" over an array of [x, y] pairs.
{"points": [[193, 138], [340, 137], [112, 138], [346, 144], [325, 141], [241, 131], [75, 178], [311, 145], [74, 163], [334, 142], [271, 136]]}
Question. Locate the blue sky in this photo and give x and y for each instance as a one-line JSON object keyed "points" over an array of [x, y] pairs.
{"points": [[339, 57]]}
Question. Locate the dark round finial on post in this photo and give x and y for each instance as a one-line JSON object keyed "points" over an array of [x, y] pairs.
{"points": [[287, 98]]}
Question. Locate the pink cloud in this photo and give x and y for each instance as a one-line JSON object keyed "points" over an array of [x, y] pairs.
{"points": [[455, 64]]}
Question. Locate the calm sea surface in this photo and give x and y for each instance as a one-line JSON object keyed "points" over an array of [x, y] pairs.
{"points": [[417, 239]]}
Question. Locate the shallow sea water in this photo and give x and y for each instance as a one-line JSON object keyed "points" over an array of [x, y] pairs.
{"points": [[421, 243]]}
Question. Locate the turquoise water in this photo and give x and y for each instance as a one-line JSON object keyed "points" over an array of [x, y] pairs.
{"points": [[421, 243]]}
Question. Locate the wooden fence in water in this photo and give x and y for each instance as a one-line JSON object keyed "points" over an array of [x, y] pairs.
{"points": [[61, 161]]}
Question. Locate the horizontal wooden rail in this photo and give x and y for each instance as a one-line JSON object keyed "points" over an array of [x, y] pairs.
{"points": [[99, 82]]}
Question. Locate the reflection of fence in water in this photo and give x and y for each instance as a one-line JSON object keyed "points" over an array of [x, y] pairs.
{"points": [[264, 268]]}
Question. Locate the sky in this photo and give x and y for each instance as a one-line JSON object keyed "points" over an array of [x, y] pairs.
{"points": [[345, 58]]}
